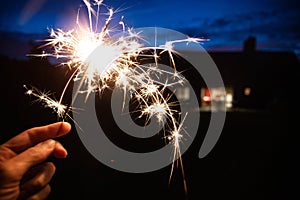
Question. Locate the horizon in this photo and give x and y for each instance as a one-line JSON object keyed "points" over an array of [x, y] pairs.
{"points": [[22, 39]]}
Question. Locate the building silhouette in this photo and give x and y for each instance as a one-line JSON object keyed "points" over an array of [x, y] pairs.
{"points": [[253, 79]]}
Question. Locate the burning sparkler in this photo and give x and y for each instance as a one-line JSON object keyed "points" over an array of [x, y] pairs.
{"points": [[99, 59]]}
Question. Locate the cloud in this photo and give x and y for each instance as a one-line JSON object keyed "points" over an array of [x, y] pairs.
{"points": [[277, 28]]}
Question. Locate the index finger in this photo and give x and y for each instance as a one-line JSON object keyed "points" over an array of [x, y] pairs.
{"points": [[33, 136]]}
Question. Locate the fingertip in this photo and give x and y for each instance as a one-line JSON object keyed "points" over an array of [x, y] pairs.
{"points": [[60, 154], [59, 151], [66, 126], [62, 128]]}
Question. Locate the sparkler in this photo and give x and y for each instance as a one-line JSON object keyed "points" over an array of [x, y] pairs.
{"points": [[99, 59]]}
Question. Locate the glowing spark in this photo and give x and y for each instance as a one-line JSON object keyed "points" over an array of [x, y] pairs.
{"points": [[48, 102], [80, 49]]}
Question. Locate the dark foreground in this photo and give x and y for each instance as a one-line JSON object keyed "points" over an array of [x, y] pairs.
{"points": [[250, 161]]}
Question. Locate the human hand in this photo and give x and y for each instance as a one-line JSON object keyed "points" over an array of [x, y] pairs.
{"points": [[24, 174]]}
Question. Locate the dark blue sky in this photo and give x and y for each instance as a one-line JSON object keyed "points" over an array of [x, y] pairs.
{"points": [[274, 23]]}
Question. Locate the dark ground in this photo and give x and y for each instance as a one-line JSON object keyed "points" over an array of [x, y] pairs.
{"points": [[250, 161]]}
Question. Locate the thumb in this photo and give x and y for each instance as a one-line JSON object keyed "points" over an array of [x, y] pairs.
{"points": [[32, 156]]}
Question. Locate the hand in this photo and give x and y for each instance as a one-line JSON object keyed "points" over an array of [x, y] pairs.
{"points": [[24, 172]]}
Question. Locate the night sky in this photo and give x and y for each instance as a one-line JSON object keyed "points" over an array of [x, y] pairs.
{"points": [[274, 23]]}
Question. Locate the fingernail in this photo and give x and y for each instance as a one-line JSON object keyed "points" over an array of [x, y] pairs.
{"points": [[50, 144]]}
